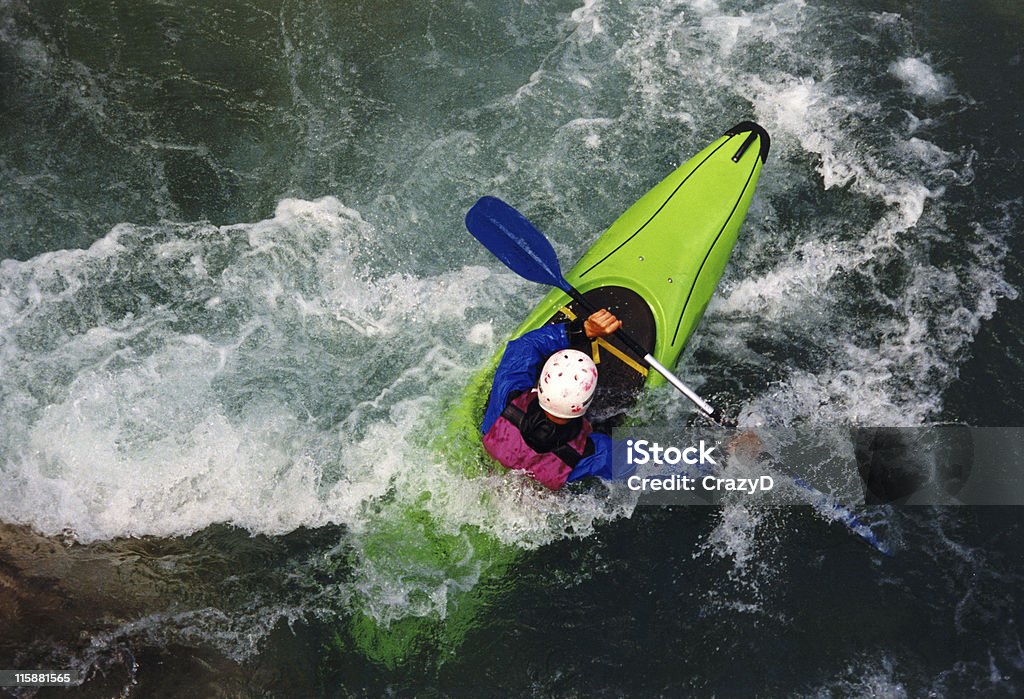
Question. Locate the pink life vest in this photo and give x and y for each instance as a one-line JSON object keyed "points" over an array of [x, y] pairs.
{"points": [[505, 443]]}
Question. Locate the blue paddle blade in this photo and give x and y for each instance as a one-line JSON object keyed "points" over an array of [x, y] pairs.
{"points": [[515, 241]]}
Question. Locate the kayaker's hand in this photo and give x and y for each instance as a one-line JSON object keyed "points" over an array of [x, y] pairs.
{"points": [[601, 324]]}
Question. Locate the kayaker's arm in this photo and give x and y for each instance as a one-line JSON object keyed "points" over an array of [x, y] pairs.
{"points": [[520, 365]]}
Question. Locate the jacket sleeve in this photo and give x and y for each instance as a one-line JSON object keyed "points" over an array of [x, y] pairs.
{"points": [[599, 463], [520, 365]]}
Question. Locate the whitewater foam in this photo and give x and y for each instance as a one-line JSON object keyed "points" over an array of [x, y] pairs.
{"points": [[920, 79], [166, 378]]}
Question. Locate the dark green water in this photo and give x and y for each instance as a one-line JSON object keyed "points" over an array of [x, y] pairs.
{"points": [[236, 293]]}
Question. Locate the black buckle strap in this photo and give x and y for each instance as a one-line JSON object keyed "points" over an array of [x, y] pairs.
{"points": [[512, 413]]}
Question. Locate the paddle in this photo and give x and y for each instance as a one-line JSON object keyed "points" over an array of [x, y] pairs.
{"points": [[526, 251]]}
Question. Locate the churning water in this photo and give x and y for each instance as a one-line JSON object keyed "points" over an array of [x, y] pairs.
{"points": [[237, 297]]}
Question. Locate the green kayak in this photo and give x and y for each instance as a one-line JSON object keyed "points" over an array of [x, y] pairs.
{"points": [[656, 268]]}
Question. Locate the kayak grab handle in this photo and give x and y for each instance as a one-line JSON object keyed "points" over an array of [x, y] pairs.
{"points": [[755, 131], [743, 149]]}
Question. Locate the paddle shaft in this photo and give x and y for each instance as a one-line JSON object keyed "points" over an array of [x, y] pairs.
{"points": [[648, 357]]}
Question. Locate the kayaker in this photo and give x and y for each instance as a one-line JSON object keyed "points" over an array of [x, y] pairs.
{"points": [[535, 416]]}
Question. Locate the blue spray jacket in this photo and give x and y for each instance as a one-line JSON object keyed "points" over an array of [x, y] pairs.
{"points": [[518, 371]]}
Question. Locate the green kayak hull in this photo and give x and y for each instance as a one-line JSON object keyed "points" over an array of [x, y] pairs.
{"points": [[656, 267]]}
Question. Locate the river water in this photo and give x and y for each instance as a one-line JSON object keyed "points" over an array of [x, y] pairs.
{"points": [[237, 296]]}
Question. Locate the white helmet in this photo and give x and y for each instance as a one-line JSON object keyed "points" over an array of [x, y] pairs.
{"points": [[567, 383]]}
